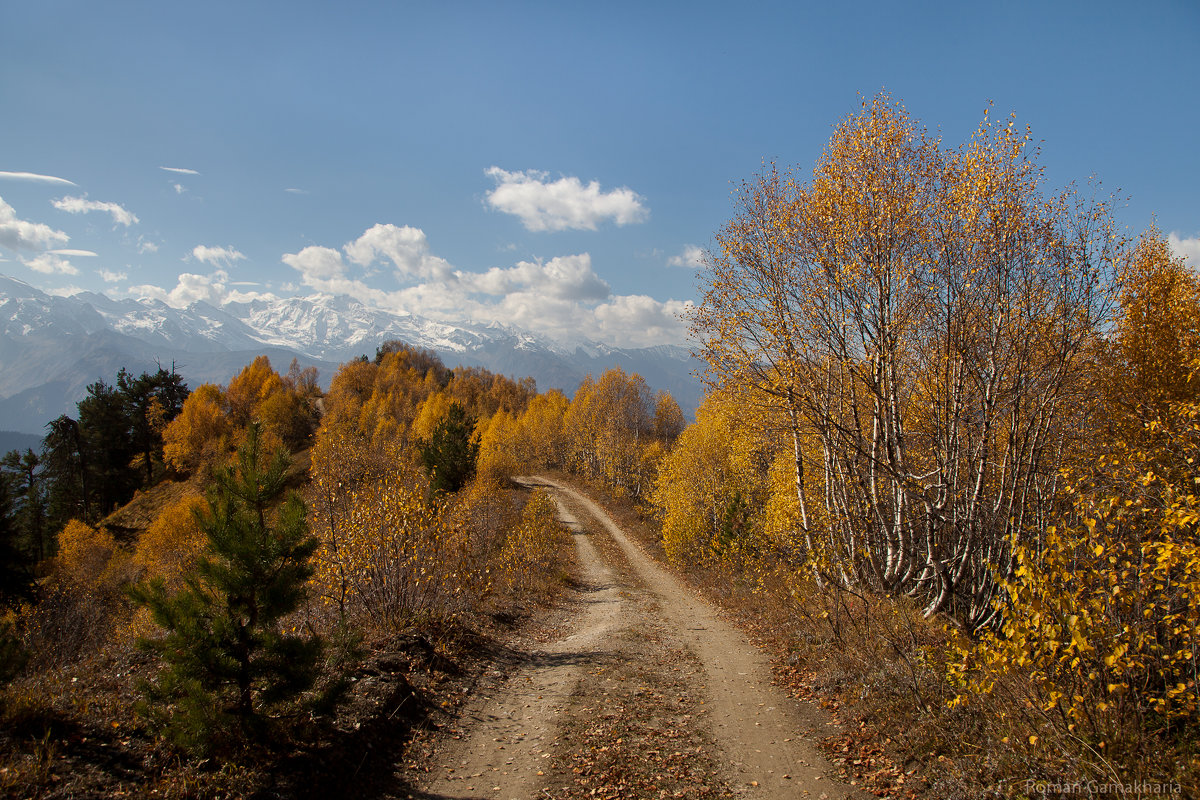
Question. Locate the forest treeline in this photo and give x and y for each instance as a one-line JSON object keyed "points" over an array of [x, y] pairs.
{"points": [[947, 455]]}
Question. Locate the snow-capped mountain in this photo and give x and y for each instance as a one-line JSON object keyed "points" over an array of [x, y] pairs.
{"points": [[52, 348]]}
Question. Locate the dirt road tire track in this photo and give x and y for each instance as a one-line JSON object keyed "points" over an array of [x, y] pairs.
{"points": [[766, 741]]}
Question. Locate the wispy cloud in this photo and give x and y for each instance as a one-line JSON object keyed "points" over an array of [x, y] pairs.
{"points": [[81, 205], [179, 188], [692, 257], [1186, 247], [217, 256], [83, 253], [34, 177], [180, 170], [144, 246], [19, 234], [111, 277], [296, 191], [563, 204]]}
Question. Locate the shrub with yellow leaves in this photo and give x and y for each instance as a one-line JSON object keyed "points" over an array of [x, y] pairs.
{"points": [[1101, 621], [84, 553], [169, 547]]}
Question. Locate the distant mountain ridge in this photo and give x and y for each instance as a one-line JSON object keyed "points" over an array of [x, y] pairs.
{"points": [[52, 348]]}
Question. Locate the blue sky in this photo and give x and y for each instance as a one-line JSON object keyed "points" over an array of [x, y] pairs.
{"points": [[551, 165]]}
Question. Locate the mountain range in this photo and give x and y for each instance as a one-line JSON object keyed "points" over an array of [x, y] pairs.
{"points": [[52, 348]]}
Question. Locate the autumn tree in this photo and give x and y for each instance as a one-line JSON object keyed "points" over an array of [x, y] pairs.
{"points": [[542, 439], [706, 482], [1146, 365], [499, 445], [199, 434], [1102, 625], [169, 548], [432, 412], [919, 315], [608, 424], [249, 389], [668, 418]]}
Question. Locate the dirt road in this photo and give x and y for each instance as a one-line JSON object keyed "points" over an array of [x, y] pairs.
{"points": [[649, 693]]}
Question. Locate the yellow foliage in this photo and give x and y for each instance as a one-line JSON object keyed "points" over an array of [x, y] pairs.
{"points": [[198, 435], [1147, 365], [385, 554], [1104, 616], [432, 412], [169, 547], [529, 549], [498, 441], [542, 441], [349, 391], [607, 424], [249, 388], [920, 315], [710, 485], [84, 554]]}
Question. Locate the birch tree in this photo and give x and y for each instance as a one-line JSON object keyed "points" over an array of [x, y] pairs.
{"points": [[918, 314]]}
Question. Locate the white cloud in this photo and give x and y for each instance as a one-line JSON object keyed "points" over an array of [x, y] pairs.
{"points": [[296, 191], [50, 264], [146, 246], [111, 277], [180, 170], [217, 256], [562, 297], [35, 178], [564, 277], [1187, 248], [191, 288], [564, 204], [179, 188], [642, 320], [692, 257], [19, 234], [72, 252], [81, 205], [65, 291], [318, 264], [323, 269], [405, 247]]}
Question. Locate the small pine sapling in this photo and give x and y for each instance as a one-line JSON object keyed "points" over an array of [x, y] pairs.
{"points": [[228, 666]]}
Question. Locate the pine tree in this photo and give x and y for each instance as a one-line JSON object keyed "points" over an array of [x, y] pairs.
{"points": [[24, 472], [228, 665], [16, 577], [451, 452]]}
